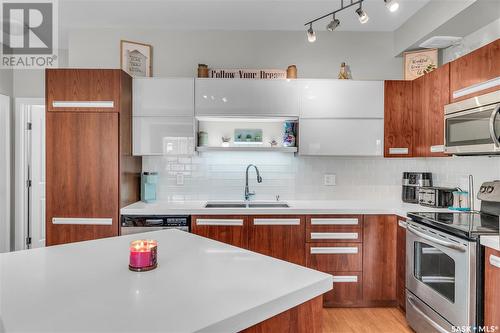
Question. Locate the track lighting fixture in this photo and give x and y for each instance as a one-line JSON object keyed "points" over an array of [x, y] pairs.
{"points": [[363, 17], [333, 24], [392, 5], [311, 35]]}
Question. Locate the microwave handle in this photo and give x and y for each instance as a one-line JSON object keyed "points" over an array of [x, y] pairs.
{"points": [[493, 118]]}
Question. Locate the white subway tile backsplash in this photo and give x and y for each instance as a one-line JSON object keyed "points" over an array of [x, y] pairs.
{"points": [[220, 175]]}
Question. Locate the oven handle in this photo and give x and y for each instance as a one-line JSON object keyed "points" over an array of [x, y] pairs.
{"points": [[436, 240], [426, 317], [493, 118]]}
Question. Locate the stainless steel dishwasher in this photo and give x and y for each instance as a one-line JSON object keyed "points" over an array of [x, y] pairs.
{"points": [[133, 224]]}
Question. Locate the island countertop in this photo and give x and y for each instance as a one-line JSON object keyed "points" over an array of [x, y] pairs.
{"points": [[200, 285]]}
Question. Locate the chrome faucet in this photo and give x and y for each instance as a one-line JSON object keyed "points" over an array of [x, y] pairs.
{"points": [[248, 194]]}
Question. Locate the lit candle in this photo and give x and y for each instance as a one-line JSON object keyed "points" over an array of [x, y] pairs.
{"points": [[143, 255]]}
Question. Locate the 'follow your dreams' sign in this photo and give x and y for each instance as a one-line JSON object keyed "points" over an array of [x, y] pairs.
{"points": [[247, 74]]}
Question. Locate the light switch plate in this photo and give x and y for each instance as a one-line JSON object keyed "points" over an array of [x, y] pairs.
{"points": [[329, 180], [180, 179]]}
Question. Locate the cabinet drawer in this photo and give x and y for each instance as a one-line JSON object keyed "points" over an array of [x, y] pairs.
{"points": [[334, 228], [328, 257], [227, 229], [347, 290]]}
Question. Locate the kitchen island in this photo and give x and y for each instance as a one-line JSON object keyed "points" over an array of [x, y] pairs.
{"points": [[200, 285]]}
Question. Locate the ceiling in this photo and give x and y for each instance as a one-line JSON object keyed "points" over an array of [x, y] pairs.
{"points": [[227, 14]]}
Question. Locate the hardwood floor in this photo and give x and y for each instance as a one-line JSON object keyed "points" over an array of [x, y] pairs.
{"points": [[365, 320]]}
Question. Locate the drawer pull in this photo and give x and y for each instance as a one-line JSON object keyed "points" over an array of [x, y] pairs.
{"points": [[494, 261], [345, 278], [334, 250], [334, 221], [334, 235], [83, 104], [398, 151], [437, 149], [220, 222], [276, 222], [82, 220]]}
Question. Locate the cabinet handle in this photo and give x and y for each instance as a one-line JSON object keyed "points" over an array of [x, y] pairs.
{"points": [[334, 235], [276, 221], [334, 250], [82, 220], [220, 222], [398, 151], [345, 278], [402, 224], [494, 261], [477, 87], [335, 221], [83, 104], [437, 149]]}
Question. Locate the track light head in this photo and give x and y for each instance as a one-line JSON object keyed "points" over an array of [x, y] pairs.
{"points": [[333, 24], [311, 35], [392, 5], [362, 16]]}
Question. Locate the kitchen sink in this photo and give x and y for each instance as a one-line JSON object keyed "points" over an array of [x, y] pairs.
{"points": [[225, 205], [268, 205], [253, 204]]}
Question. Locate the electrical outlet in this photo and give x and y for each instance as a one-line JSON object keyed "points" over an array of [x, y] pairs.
{"points": [[329, 180], [180, 179]]}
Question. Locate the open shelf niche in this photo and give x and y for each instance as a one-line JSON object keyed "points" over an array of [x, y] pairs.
{"points": [[273, 128]]}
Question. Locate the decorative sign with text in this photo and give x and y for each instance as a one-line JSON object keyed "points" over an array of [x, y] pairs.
{"points": [[255, 74], [417, 63]]}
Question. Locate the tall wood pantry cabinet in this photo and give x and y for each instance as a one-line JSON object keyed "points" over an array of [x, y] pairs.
{"points": [[90, 170]]}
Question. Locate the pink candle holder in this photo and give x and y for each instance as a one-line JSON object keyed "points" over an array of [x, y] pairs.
{"points": [[143, 255]]}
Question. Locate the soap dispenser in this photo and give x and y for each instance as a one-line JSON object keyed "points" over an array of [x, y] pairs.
{"points": [[148, 186]]}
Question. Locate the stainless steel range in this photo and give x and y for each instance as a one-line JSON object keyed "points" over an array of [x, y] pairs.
{"points": [[444, 265]]}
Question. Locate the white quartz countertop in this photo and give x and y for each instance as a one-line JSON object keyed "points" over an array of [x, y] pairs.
{"points": [[200, 285], [296, 207], [491, 242]]}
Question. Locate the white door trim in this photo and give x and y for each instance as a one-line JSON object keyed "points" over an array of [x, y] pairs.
{"points": [[5, 178], [21, 117]]}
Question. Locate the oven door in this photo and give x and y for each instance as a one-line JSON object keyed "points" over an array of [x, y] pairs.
{"points": [[440, 273], [473, 131]]}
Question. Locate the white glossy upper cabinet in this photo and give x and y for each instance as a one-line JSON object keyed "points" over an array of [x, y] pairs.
{"points": [[163, 97], [341, 137], [246, 98], [163, 116], [323, 98]]}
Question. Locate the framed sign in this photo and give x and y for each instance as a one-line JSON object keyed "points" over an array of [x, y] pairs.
{"points": [[135, 58], [417, 63]]}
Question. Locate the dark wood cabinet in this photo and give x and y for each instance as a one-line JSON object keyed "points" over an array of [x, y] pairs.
{"points": [[379, 260], [401, 264], [229, 229], [398, 119], [473, 68], [430, 95], [492, 288], [90, 172], [278, 236]]}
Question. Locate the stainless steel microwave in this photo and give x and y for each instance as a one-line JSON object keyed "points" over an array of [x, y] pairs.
{"points": [[472, 126]]}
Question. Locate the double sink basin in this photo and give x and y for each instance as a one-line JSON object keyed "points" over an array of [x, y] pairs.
{"points": [[243, 204]]}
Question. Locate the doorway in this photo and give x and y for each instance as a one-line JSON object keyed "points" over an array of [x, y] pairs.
{"points": [[30, 173]]}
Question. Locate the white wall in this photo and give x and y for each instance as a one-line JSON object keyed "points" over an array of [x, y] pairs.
{"points": [[221, 175], [473, 41], [178, 53], [6, 82]]}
